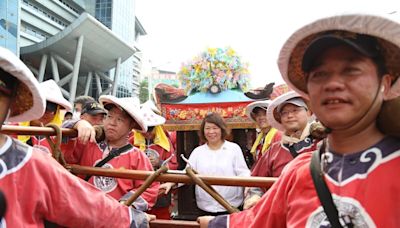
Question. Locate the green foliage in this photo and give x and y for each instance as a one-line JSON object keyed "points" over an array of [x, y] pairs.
{"points": [[143, 90]]}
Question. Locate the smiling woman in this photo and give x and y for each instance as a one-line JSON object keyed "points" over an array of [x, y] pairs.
{"points": [[213, 130], [218, 157]]}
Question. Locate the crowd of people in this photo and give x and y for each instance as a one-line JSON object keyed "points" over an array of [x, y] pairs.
{"points": [[343, 74]]}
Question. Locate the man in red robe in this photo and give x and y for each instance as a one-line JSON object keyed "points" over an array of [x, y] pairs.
{"points": [[36, 188]]}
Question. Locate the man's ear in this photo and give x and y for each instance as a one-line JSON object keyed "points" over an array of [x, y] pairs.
{"points": [[309, 112], [391, 87]]}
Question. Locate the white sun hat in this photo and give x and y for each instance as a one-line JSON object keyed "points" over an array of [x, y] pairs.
{"points": [[272, 112], [260, 104], [29, 103], [150, 104], [150, 118], [129, 105], [53, 94], [348, 28]]}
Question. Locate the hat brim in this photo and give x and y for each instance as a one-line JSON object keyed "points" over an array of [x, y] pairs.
{"points": [[273, 116], [29, 103], [299, 102], [260, 104], [95, 112], [151, 118], [388, 118], [60, 101], [291, 55], [53, 94], [159, 120], [130, 108]]}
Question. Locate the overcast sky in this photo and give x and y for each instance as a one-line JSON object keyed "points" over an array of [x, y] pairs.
{"points": [[177, 30]]}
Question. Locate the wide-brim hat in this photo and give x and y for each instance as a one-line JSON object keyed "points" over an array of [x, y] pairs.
{"points": [[129, 105], [150, 118], [53, 94], [150, 104], [256, 104], [272, 112], [387, 34], [29, 103]]}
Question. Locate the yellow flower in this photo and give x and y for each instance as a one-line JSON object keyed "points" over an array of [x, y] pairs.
{"points": [[230, 52], [182, 115], [212, 51], [197, 69], [184, 70]]}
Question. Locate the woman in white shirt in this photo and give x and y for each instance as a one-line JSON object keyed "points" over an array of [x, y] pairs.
{"points": [[217, 157]]}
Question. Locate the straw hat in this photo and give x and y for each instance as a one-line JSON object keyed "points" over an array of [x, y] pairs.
{"points": [[150, 118], [29, 103], [273, 109], [129, 105], [387, 34], [53, 94], [150, 104], [260, 104]]}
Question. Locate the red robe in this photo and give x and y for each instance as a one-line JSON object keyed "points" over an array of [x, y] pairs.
{"points": [[41, 143], [37, 188], [162, 153], [259, 152], [278, 155], [161, 209], [364, 187], [120, 189]]}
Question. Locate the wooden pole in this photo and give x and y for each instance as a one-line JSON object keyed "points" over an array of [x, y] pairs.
{"points": [[265, 182], [27, 130], [146, 184], [210, 190], [161, 223]]}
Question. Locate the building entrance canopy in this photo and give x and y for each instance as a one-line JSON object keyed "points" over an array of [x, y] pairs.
{"points": [[100, 50], [85, 47]]}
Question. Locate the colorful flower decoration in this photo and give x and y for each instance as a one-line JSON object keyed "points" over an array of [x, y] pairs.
{"points": [[215, 66]]}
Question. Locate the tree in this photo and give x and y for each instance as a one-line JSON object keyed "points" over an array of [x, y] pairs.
{"points": [[144, 90]]}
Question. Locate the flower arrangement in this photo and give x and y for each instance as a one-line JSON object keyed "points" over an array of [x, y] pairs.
{"points": [[220, 67]]}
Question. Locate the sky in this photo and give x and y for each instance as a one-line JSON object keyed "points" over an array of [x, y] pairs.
{"points": [[178, 30]]}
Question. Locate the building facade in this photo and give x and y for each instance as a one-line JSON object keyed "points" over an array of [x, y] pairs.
{"points": [[9, 23], [32, 22], [123, 25]]}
